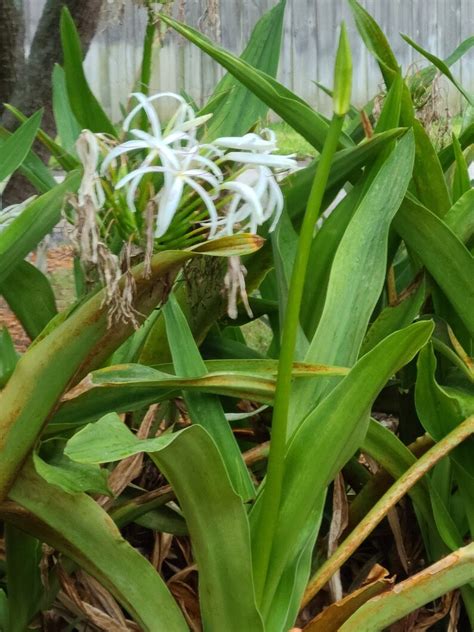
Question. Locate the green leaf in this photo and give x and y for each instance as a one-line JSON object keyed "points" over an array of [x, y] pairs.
{"points": [[374, 38], [391, 110], [441, 66], [377, 44], [323, 251], [214, 513], [442, 253], [285, 244], [461, 179], [346, 166], [84, 104], [460, 217], [75, 525], [423, 78], [8, 356], [163, 519], [204, 409], [394, 317], [325, 441], [357, 274], [23, 557], [3, 610], [67, 353], [133, 386], [428, 176], [65, 160], [66, 123], [439, 579], [240, 110], [291, 108], [466, 138], [29, 228], [30, 297], [70, 476], [15, 148], [440, 412]]}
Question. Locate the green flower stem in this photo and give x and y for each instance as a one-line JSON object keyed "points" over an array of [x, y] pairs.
{"points": [[273, 484]]}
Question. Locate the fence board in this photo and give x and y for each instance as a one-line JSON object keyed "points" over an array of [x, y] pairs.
{"points": [[310, 35]]}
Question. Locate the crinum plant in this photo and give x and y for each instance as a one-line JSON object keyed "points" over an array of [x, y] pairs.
{"points": [[258, 494]]}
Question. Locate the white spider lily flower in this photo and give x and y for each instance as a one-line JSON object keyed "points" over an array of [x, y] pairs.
{"points": [[10, 213], [90, 189], [183, 120], [257, 199], [189, 170]]}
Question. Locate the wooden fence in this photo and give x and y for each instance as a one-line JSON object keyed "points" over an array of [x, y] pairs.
{"points": [[309, 40]]}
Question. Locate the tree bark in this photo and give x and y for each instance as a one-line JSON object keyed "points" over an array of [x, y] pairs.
{"points": [[12, 55], [34, 91]]}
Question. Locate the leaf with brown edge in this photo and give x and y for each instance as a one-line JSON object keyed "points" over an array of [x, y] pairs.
{"points": [[332, 617]]}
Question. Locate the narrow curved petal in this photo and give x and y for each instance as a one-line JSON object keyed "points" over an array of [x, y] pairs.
{"points": [[267, 160], [206, 198], [248, 194], [138, 172], [144, 103], [249, 142], [169, 199], [130, 145]]}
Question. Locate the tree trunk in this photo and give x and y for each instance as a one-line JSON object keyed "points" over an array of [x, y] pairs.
{"points": [[34, 90], [12, 55]]}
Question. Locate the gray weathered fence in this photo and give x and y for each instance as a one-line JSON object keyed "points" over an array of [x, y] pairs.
{"points": [[309, 40]]}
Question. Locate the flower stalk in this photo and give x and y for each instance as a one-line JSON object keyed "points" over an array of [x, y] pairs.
{"points": [[275, 472]]}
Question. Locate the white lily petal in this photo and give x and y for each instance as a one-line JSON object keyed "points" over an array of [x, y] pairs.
{"points": [[131, 191], [118, 151], [279, 203], [141, 171], [206, 198], [169, 199], [247, 193], [267, 160], [152, 115], [166, 153], [249, 142], [210, 165], [211, 150]]}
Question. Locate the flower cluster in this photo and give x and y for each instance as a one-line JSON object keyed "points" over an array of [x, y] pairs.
{"points": [[218, 188], [162, 187]]}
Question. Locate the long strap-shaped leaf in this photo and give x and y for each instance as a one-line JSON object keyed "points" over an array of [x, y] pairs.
{"points": [[76, 525], [204, 408], [15, 148], [132, 386], [357, 274], [439, 579], [327, 438], [29, 228], [444, 255], [30, 296], [237, 114], [215, 514], [84, 104]]}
